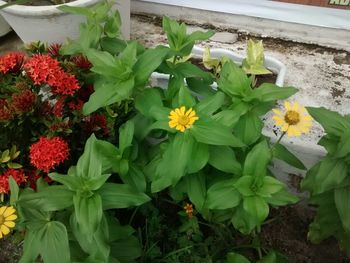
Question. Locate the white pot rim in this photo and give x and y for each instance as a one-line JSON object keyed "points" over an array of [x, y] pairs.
{"points": [[49, 10]]}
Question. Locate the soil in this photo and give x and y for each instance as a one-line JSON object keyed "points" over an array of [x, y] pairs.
{"points": [[287, 233]]}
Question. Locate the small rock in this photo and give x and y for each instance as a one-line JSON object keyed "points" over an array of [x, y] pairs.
{"points": [[225, 37]]}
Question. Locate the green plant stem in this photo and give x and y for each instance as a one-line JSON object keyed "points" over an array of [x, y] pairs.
{"points": [[278, 141], [133, 215], [177, 251]]}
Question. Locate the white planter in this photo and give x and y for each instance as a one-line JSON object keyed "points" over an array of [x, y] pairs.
{"points": [[271, 63], [4, 27], [48, 24]]}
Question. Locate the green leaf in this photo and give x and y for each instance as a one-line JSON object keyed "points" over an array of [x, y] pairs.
{"points": [[200, 35], [31, 246], [326, 175], [199, 157], [213, 133], [282, 153], [196, 189], [223, 195], [257, 160], [76, 10], [107, 94], [254, 62], [243, 221], [135, 178], [185, 98], [233, 80], [211, 104], [71, 182], [113, 25], [343, 147], [126, 134], [126, 250], [174, 162], [14, 189], [52, 198], [270, 92], [88, 213], [246, 185], [331, 121], [256, 207], [148, 62], [233, 257], [249, 128], [282, 198], [341, 198], [270, 186], [146, 100], [54, 247], [223, 158], [121, 196], [109, 156], [104, 63], [89, 164]]}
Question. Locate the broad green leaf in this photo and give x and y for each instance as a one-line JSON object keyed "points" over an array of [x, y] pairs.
{"points": [[52, 198], [174, 162], [233, 257], [326, 175], [88, 213], [135, 178], [223, 195], [109, 156], [113, 25], [89, 164], [148, 62], [54, 247], [121, 196], [213, 133], [233, 80], [248, 128], [343, 147], [196, 189], [270, 186], [126, 134], [199, 157], [185, 98], [104, 63], [146, 100], [330, 143], [126, 250], [341, 198], [211, 104], [331, 121], [109, 93], [200, 35], [282, 153], [71, 182], [255, 59], [256, 207], [188, 70], [282, 198], [270, 92], [223, 158], [244, 221], [31, 246], [257, 160], [246, 185]]}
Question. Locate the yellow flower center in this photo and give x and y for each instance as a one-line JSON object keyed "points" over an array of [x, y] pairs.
{"points": [[183, 120], [292, 117], [2, 219]]}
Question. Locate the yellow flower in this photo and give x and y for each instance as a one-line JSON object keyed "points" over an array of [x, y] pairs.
{"points": [[180, 119], [189, 210], [294, 121], [7, 218]]}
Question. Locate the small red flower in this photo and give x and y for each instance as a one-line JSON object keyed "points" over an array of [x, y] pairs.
{"points": [[47, 153], [42, 68], [54, 49], [76, 105], [11, 62], [82, 62], [65, 84], [59, 107], [85, 92], [96, 122], [17, 174], [23, 102]]}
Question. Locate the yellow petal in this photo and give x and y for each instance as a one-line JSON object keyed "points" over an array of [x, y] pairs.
{"points": [[2, 209], [296, 106], [278, 112], [172, 124], [188, 112], [9, 224], [182, 110], [278, 120], [287, 105], [177, 111], [1, 235], [9, 211], [4, 229], [11, 217], [285, 127]]}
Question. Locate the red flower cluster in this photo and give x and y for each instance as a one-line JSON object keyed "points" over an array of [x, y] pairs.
{"points": [[54, 49], [47, 153], [17, 174], [96, 122], [23, 102], [43, 69], [11, 62], [81, 62]]}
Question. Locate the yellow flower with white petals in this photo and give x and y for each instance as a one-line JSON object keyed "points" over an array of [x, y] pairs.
{"points": [[295, 120], [7, 218], [180, 119]]}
